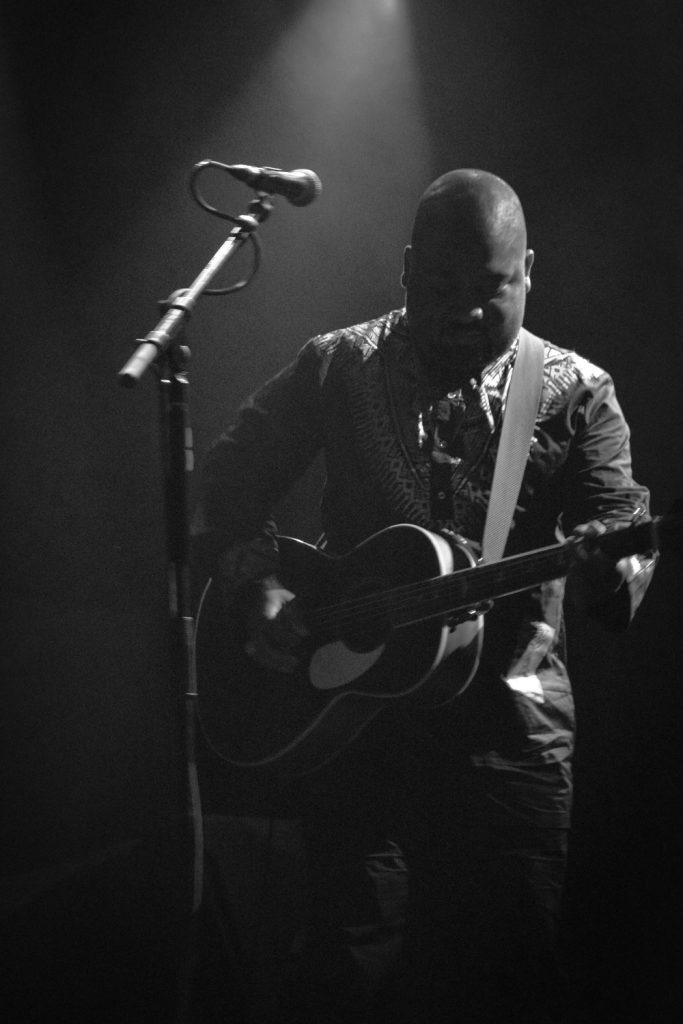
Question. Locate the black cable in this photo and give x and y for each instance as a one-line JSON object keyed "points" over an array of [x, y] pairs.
{"points": [[214, 211]]}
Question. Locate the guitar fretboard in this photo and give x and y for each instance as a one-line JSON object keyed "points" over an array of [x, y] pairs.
{"points": [[454, 592], [466, 588]]}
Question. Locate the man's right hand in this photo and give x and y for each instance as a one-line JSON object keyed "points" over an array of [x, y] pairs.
{"points": [[275, 627]]}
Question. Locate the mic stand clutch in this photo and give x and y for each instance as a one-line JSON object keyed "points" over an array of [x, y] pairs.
{"points": [[162, 348]]}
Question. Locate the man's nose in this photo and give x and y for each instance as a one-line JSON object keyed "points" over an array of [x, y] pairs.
{"points": [[468, 316]]}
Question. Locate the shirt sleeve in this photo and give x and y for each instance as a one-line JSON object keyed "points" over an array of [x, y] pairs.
{"points": [[599, 485], [275, 437]]}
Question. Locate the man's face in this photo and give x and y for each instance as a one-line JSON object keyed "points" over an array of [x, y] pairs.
{"points": [[465, 300]]}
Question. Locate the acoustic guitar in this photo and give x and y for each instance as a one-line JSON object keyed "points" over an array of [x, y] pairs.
{"points": [[382, 619]]}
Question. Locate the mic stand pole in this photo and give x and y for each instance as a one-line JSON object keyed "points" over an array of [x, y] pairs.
{"points": [[162, 348]]}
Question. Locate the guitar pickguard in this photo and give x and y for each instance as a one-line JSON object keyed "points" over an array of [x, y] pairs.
{"points": [[335, 665]]}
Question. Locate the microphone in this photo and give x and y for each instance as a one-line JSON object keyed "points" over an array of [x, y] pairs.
{"points": [[299, 187]]}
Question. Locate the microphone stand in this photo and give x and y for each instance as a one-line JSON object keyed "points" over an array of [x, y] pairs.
{"points": [[163, 349]]}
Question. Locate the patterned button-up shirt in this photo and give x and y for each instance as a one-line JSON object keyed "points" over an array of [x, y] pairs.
{"points": [[358, 395]]}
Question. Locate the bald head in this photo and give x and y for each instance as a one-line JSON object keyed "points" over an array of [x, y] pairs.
{"points": [[466, 273], [467, 206]]}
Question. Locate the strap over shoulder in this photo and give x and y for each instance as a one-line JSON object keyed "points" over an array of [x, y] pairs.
{"points": [[519, 420]]}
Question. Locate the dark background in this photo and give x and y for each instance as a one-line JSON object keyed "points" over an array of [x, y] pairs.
{"points": [[105, 109]]}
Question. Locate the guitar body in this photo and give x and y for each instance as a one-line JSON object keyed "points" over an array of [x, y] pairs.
{"points": [[357, 660], [382, 620]]}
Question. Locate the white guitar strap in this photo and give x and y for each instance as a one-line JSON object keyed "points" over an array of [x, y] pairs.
{"points": [[524, 395]]}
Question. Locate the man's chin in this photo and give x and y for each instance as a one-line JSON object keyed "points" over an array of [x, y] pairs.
{"points": [[451, 373], [455, 356], [462, 359]]}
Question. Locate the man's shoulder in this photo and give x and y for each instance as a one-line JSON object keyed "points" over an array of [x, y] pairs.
{"points": [[365, 337], [566, 364], [566, 376]]}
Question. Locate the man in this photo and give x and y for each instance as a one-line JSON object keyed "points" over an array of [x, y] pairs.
{"points": [[408, 410]]}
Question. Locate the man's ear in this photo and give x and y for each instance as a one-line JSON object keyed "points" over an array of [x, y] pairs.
{"points": [[528, 262], [406, 266]]}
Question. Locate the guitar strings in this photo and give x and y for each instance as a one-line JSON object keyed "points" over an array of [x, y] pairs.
{"points": [[380, 604], [375, 606]]}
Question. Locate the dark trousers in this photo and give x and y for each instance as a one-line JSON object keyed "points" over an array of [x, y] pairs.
{"points": [[436, 900]]}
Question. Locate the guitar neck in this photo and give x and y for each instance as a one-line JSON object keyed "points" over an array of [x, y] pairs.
{"points": [[467, 588]]}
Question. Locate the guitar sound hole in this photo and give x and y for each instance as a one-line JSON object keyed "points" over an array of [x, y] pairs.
{"points": [[364, 624]]}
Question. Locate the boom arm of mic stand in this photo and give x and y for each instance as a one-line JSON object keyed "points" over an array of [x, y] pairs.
{"points": [[160, 339]]}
